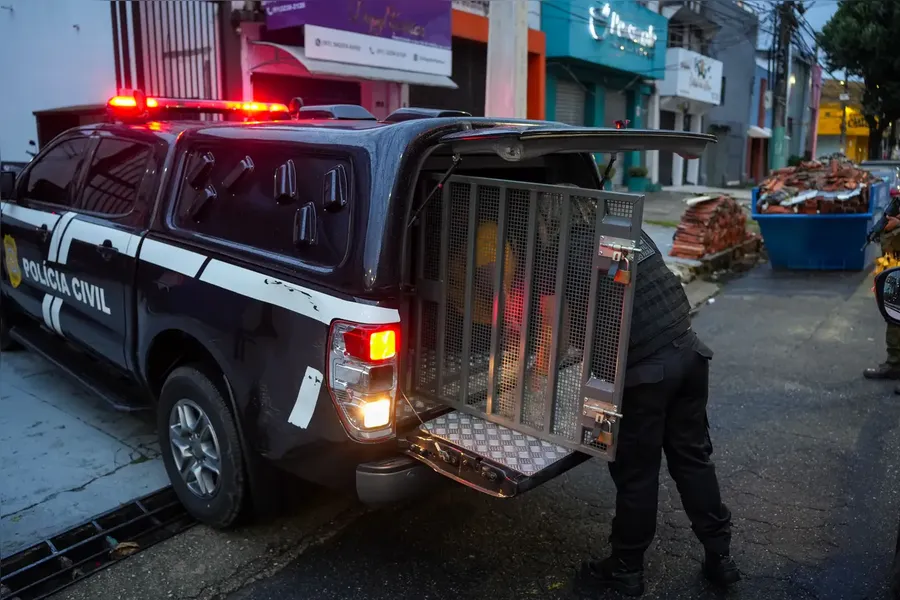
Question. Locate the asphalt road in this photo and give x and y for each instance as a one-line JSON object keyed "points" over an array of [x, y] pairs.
{"points": [[807, 453]]}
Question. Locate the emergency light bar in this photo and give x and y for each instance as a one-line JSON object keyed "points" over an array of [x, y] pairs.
{"points": [[133, 105]]}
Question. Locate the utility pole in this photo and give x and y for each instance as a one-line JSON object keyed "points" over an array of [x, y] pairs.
{"points": [[786, 24], [506, 88], [845, 96], [814, 102]]}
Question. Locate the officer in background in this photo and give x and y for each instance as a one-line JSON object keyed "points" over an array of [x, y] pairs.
{"points": [[890, 368], [664, 408]]}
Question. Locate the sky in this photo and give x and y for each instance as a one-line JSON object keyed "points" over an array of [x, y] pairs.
{"points": [[818, 12]]}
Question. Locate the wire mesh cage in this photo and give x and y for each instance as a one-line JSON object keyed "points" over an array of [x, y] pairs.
{"points": [[513, 300]]}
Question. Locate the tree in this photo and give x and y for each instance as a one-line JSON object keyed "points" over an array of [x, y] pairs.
{"points": [[861, 39]]}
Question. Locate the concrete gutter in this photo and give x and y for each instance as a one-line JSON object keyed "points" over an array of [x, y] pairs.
{"points": [[203, 563]]}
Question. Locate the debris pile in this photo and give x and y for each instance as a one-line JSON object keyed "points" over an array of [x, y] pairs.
{"points": [[815, 187], [888, 261], [709, 227]]}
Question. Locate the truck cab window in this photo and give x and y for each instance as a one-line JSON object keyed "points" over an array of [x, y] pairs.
{"points": [[115, 175], [51, 178]]}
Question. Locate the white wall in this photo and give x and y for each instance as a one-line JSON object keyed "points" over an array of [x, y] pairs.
{"points": [[534, 14], [54, 53]]}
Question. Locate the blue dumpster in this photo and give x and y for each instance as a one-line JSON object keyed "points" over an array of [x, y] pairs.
{"points": [[832, 242]]}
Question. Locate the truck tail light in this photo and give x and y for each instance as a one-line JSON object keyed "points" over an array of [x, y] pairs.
{"points": [[363, 377]]}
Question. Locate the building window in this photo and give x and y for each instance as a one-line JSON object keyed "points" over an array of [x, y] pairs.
{"points": [[722, 93]]}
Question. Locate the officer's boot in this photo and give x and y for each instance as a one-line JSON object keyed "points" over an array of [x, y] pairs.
{"points": [[720, 569], [883, 371], [615, 573]]}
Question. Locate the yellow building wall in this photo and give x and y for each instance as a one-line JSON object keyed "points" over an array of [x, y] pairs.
{"points": [[857, 129]]}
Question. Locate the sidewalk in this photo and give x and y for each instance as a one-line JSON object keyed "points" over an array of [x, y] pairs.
{"points": [[702, 190]]}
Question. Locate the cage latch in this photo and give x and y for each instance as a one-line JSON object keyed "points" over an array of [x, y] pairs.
{"points": [[601, 421]]}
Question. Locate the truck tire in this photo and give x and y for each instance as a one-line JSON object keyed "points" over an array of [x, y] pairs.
{"points": [[200, 446]]}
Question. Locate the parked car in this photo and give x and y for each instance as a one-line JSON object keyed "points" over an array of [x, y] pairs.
{"points": [[888, 170], [320, 291]]}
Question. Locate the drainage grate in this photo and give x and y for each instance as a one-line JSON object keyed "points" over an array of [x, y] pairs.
{"points": [[53, 564]]}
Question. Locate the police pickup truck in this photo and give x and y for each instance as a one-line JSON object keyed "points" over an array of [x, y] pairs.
{"points": [[354, 301]]}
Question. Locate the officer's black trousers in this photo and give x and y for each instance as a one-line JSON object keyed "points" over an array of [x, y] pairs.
{"points": [[664, 408]]}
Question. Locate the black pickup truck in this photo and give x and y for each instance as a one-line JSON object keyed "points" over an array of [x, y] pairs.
{"points": [[315, 290]]}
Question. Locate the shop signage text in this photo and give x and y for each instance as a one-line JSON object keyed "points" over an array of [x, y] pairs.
{"points": [[323, 43], [604, 22], [426, 22], [692, 76]]}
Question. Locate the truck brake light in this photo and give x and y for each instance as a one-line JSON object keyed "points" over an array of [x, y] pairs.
{"points": [[363, 377], [372, 344]]}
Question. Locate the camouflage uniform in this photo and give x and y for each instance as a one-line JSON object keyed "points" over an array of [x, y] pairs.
{"points": [[890, 369]]}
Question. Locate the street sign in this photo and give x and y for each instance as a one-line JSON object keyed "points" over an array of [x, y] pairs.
{"points": [[844, 97]]}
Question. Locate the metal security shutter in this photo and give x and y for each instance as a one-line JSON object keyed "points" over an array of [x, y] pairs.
{"points": [[569, 102]]}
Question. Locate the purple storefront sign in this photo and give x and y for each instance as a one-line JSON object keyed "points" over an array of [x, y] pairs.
{"points": [[422, 21]]}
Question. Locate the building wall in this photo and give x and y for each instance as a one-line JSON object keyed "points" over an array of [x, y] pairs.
{"points": [[798, 108], [566, 23], [735, 45], [55, 54], [581, 49], [761, 74]]}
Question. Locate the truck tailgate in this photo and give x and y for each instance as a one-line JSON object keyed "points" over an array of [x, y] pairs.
{"points": [[487, 456]]}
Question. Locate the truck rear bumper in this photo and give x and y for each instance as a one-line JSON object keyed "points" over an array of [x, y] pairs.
{"points": [[394, 479]]}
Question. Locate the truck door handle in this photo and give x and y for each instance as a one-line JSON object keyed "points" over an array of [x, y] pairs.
{"points": [[106, 249], [43, 232]]}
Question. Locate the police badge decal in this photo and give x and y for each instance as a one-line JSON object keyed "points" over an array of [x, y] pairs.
{"points": [[12, 260]]}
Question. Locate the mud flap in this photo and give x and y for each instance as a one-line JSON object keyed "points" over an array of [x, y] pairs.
{"points": [[486, 456]]}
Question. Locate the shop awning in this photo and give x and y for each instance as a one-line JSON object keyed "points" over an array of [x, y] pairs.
{"points": [[759, 132], [338, 69]]}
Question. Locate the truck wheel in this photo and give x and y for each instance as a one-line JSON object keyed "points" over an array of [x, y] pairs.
{"points": [[200, 447]]}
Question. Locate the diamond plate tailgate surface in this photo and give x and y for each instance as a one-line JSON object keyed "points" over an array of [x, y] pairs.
{"points": [[523, 453]]}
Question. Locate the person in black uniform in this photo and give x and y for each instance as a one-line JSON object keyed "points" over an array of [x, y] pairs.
{"points": [[663, 409]]}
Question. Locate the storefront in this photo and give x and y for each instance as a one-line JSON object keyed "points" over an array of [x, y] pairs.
{"points": [[692, 85], [367, 52], [829, 139], [598, 58], [380, 54], [470, 36]]}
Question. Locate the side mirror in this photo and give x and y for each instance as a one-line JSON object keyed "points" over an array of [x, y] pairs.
{"points": [[7, 185], [887, 294]]}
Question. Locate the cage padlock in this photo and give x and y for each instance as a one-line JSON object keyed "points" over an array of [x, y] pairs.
{"points": [[603, 431], [623, 273], [613, 269]]}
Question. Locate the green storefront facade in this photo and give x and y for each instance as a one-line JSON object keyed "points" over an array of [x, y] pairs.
{"points": [[600, 56]]}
